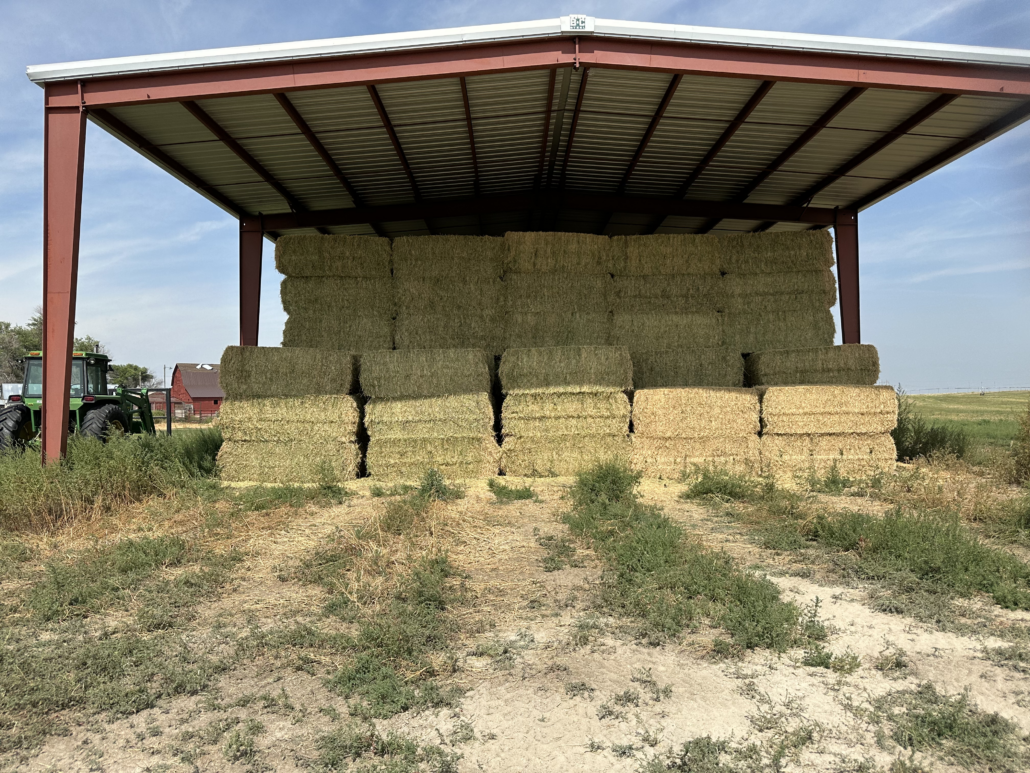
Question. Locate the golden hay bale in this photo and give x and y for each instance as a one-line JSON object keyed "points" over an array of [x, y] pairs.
{"points": [[284, 464], [336, 295], [757, 332], [854, 455], [718, 367], [539, 404], [660, 457], [566, 368], [425, 372], [667, 254], [317, 255], [445, 296], [566, 425], [469, 415], [802, 410], [327, 331], [771, 253], [554, 455], [786, 291], [278, 419], [562, 253], [657, 294], [458, 330], [448, 257], [267, 371], [695, 412], [847, 364], [647, 332], [534, 330], [409, 458], [567, 293]]}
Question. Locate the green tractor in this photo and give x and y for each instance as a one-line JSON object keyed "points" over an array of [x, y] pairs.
{"points": [[92, 411]]}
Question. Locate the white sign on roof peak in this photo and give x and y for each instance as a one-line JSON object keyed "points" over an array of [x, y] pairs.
{"points": [[577, 23]]}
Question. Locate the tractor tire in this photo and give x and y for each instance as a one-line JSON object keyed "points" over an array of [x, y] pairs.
{"points": [[15, 427], [104, 421]]}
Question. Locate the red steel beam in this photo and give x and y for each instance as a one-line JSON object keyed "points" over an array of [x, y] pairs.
{"points": [[664, 56], [251, 243], [64, 147], [846, 233]]}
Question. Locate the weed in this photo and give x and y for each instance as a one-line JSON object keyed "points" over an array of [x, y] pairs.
{"points": [[594, 745], [463, 732], [401, 514], [505, 493], [643, 677], [608, 711], [721, 486], [1014, 656], [831, 483], [396, 490], [586, 629], [914, 437], [892, 661], [699, 755], [560, 553], [627, 698], [820, 657], [1019, 467], [388, 754], [239, 746], [579, 690], [623, 750], [651, 738]]}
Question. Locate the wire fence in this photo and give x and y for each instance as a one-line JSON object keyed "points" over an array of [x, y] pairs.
{"points": [[964, 390]]}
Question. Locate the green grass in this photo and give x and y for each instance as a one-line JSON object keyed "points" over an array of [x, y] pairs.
{"points": [[358, 746], [401, 514], [560, 553], [505, 494], [991, 418]]}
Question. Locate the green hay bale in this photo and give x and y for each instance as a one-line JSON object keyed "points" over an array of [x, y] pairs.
{"points": [[670, 458], [425, 372], [695, 412], [847, 364], [667, 254], [275, 419], [677, 294], [328, 331], [345, 296], [458, 330], [717, 367], [787, 291], [469, 415], [565, 413], [317, 255], [646, 332], [569, 293], [408, 459], [285, 464], [445, 296], [478, 258], [778, 330], [567, 368], [771, 253], [547, 329], [265, 371], [561, 455], [561, 253]]}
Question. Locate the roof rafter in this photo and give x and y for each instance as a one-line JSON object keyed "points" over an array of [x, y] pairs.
{"points": [[472, 142], [576, 112]]}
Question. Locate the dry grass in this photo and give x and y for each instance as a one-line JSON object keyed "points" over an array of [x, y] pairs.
{"points": [[566, 413], [668, 294], [785, 291], [672, 457], [828, 410], [465, 294], [718, 367], [847, 364], [545, 293], [572, 369], [459, 329], [316, 255], [264, 371], [856, 456]]}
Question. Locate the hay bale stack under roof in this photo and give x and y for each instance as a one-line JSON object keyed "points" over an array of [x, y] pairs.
{"points": [[557, 253], [349, 313], [544, 413], [716, 367], [561, 455], [327, 330], [757, 332], [305, 255], [449, 257], [425, 373], [288, 463], [675, 430], [268, 371], [668, 294], [648, 332], [784, 291], [451, 416], [773, 253], [567, 369], [542, 329], [857, 364], [315, 418], [668, 255]]}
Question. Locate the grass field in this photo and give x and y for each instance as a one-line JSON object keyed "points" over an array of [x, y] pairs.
{"points": [[990, 418]]}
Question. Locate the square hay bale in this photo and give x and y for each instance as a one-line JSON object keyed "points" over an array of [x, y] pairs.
{"points": [[426, 372], [772, 253], [788, 457], [561, 253], [567, 293], [444, 296], [567, 368], [668, 254], [695, 412], [785, 291], [671, 458], [268, 371], [718, 367], [327, 331], [647, 332], [285, 464], [857, 364], [565, 413], [828, 410], [561, 455], [526, 330], [755, 332], [407, 459], [657, 294], [335, 295], [317, 255], [470, 415], [457, 330], [275, 419], [480, 258]]}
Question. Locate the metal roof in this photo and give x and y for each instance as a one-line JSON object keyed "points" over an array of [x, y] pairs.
{"points": [[597, 143], [200, 382]]}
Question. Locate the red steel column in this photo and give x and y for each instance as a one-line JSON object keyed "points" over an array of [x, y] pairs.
{"points": [[251, 238], [64, 146], [846, 232]]}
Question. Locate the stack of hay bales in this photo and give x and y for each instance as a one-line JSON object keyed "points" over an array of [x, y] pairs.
{"points": [[809, 429], [676, 430], [557, 290], [857, 364], [449, 292], [429, 409], [564, 409], [779, 289], [719, 367], [289, 416], [338, 292]]}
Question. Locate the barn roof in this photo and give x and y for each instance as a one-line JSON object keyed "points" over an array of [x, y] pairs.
{"points": [[200, 380]]}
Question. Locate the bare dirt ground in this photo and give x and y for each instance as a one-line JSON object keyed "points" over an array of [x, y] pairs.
{"points": [[549, 684]]}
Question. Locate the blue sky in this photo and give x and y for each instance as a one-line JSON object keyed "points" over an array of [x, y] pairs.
{"points": [[945, 263]]}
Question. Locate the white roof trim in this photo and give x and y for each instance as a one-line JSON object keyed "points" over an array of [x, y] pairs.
{"points": [[493, 33]]}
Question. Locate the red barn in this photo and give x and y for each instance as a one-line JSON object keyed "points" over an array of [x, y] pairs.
{"points": [[196, 385]]}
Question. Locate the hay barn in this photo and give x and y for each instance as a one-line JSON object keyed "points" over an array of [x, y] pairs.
{"points": [[195, 386], [654, 195]]}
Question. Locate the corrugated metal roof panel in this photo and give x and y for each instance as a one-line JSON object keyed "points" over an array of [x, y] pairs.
{"points": [[901, 155], [701, 97], [796, 104], [966, 115], [880, 110], [254, 197], [162, 123], [213, 162], [830, 149], [336, 109], [250, 116]]}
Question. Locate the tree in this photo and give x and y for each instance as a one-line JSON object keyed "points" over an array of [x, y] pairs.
{"points": [[132, 376], [16, 341], [10, 353]]}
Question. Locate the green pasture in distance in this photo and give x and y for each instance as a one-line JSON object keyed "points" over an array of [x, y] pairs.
{"points": [[990, 418]]}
